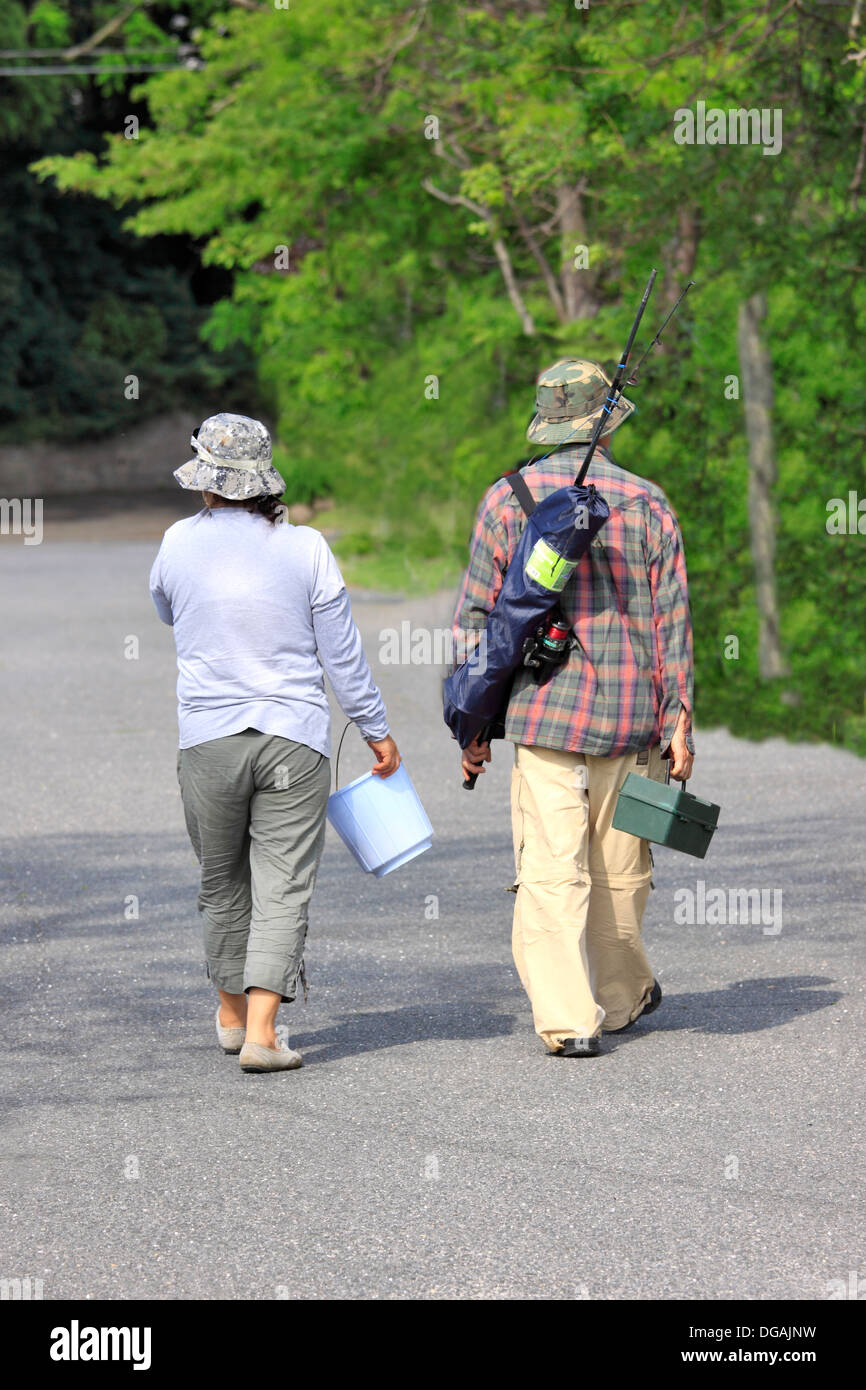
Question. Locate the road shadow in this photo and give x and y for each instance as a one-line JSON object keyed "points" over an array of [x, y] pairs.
{"points": [[62, 904], [745, 1006], [467, 1020]]}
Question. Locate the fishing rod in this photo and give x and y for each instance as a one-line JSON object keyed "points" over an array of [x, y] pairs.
{"points": [[633, 378], [561, 640], [551, 643], [617, 384]]}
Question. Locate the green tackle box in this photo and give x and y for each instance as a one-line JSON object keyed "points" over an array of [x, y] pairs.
{"points": [[666, 815]]}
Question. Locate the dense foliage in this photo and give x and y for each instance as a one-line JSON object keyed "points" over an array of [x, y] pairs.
{"points": [[82, 302], [399, 190]]}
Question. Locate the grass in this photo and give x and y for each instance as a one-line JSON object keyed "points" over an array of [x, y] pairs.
{"points": [[373, 553]]}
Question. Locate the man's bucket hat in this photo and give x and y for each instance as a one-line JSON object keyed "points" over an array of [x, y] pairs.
{"points": [[568, 401], [232, 458]]}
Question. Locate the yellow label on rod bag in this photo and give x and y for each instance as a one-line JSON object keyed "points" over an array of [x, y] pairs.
{"points": [[548, 568]]}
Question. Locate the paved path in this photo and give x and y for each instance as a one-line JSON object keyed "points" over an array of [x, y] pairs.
{"points": [[428, 1148]]}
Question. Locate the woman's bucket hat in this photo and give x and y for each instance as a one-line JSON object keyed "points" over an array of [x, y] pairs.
{"points": [[232, 458]]}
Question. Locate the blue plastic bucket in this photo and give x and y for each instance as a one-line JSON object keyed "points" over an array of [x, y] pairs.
{"points": [[381, 820]]}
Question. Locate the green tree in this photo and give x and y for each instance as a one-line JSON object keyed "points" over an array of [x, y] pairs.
{"points": [[422, 205], [83, 302]]}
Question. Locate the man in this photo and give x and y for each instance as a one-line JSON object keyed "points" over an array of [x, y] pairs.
{"points": [[620, 703]]}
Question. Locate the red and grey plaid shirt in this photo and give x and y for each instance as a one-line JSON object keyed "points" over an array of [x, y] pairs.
{"points": [[622, 686]]}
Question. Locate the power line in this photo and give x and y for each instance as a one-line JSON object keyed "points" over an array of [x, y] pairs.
{"points": [[186, 52], [99, 52], [104, 68]]}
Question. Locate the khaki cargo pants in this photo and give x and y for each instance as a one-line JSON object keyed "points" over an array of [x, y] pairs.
{"points": [[582, 888]]}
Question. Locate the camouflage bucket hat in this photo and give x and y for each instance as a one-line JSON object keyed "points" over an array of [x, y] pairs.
{"points": [[233, 459], [568, 400]]}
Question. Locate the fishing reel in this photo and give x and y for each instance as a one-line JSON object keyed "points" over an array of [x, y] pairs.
{"points": [[548, 647]]}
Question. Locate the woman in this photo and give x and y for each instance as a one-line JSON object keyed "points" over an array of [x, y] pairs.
{"points": [[255, 603]]}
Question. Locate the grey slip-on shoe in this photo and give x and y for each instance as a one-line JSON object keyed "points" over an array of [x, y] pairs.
{"points": [[231, 1040], [256, 1057]]}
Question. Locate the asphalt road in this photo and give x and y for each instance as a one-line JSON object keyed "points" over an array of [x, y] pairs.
{"points": [[428, 1148]]}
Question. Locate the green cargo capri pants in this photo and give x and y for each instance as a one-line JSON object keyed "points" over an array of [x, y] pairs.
{"points": [[255, 808]]}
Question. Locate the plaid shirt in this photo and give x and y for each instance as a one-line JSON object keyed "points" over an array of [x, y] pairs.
{"points": [[622, 686]]}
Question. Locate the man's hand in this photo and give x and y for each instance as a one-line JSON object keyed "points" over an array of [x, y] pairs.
{"points": [[680, 758], [387, 756], [473, 758]]}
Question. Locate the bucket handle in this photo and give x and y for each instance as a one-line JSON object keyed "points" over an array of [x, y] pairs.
{"points": [[337, 759]]}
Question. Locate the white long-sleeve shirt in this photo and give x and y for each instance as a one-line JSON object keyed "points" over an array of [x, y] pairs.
{"points": [[258, 610]]}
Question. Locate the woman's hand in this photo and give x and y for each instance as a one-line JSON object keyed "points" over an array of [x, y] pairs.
{"points": [[387, 756]]}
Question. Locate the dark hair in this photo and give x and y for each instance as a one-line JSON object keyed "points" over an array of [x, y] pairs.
{"points": [[267, 506]]}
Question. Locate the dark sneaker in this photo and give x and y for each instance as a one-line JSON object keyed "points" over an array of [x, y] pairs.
{"points": [[577, 1047], [654, 1000]]}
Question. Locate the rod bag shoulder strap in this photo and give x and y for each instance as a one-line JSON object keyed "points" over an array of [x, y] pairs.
{"points": [[521, 492]]}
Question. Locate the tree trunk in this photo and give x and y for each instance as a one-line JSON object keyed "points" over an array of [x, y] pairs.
{"points": [[500, 250], [756, 372], [685, 254], [578, 286], [527, 322]]}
